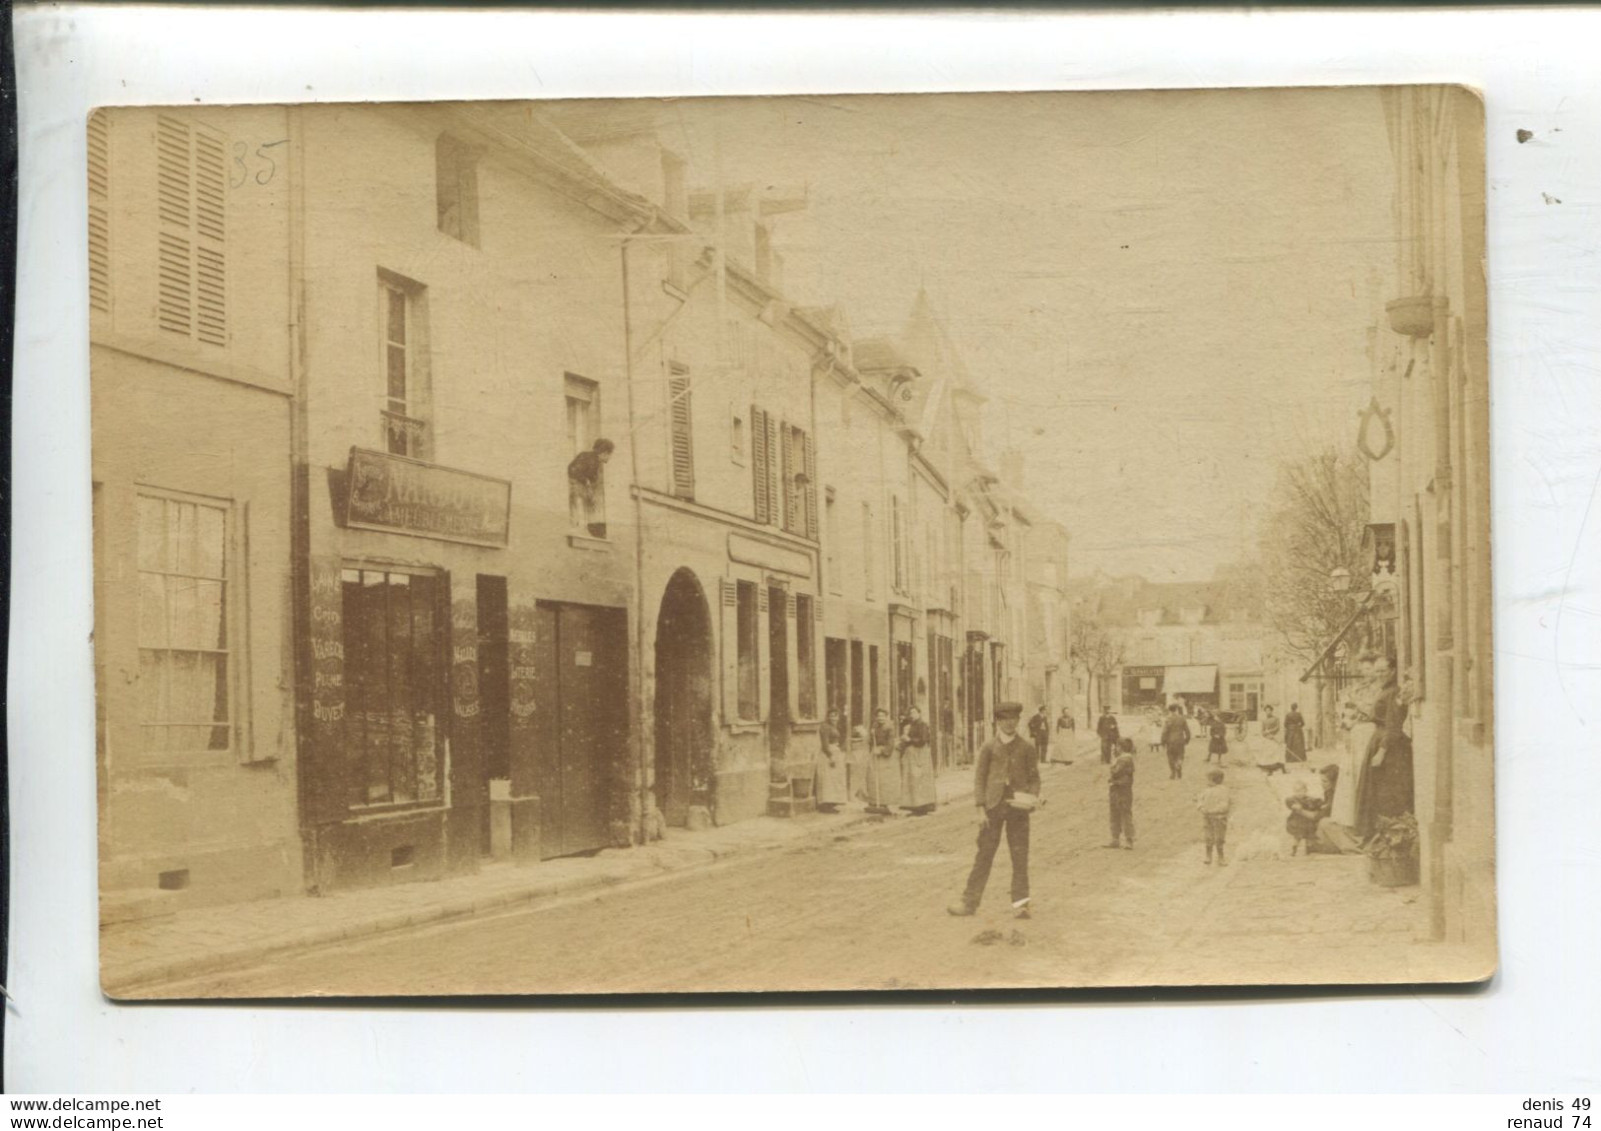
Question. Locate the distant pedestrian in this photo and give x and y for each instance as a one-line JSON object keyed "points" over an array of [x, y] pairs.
{"points": [[1066, 728], [1219, 745], [1039, 730], [1294, 735], [1107, 729], [1176, 737], [918, 792], [1006, 787], [1214, 803], [1303, 819], [1154, 727], [883, 765], [1120, 795], [830, 774]]}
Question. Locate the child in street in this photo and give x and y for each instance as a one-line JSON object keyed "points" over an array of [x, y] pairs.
{"points": [[1214, 804], [1120, 794], [1302, 822]]}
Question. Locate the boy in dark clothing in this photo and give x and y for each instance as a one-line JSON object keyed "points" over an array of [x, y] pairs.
{"points": [[1120, 794], [1007, 766], [1107, 729]]}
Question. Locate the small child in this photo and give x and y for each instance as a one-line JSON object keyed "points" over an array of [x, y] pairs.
{"points": [[1214, 804], [1120, 794], [1302, 821]]}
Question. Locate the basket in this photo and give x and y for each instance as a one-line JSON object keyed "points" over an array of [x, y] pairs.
{"points": [[1393, 871], [1026, 802]]}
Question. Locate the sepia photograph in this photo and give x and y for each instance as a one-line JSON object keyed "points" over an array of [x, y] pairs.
{"points": [[912, 542]]}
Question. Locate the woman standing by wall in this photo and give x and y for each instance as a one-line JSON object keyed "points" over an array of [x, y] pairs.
{"points": [[1385, 786], [883, 791], [830, 776], [918, 793]]}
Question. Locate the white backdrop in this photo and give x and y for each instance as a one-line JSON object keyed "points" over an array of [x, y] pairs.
{"points": [[1536, 1028]]}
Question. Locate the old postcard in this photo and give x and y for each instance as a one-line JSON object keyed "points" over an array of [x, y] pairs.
{"points": [[920, 542]]}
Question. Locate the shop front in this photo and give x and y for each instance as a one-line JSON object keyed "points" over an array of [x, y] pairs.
{"points": [[1193, 685], [452, 713]]}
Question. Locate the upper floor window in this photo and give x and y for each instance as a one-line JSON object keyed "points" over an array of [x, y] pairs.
{"points": [[800, 486], [590, 452], [191, 204], [185, 686], [681, 430], [403, 318], [456, 188]]}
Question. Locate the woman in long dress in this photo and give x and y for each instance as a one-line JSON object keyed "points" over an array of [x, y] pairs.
{"points": [[1269, 754], [1385, 786], [883, 765], [830, 776], [918, 793], [1294, 735]]}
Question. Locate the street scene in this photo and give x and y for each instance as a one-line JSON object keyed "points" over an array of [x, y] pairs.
{"points": [[793, 544]]}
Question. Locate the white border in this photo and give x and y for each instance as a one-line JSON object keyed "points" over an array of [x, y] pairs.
{"points": [[1538, 1028]]}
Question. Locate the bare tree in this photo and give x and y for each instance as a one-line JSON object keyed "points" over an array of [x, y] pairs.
{"points": [[1316, 520], [1095, 650]]}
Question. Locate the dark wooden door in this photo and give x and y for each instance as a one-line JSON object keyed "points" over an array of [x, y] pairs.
{"points": [[494, 689], [778, 674], [585, 651]]}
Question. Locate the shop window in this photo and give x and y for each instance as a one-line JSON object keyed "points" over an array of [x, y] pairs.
{"points": [[806, 654], [185, 681], [403, 316], [191, 252], [746, 629], [394, 686], [456, 189]]}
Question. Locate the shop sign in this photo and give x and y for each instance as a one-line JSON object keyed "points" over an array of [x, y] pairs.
{"points": [[407, 496]]}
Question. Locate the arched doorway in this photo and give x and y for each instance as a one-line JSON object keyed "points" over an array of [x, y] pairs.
{"points": [[683, 700]]}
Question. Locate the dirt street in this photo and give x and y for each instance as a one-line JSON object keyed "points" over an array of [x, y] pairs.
{"points": [[866, 910]]}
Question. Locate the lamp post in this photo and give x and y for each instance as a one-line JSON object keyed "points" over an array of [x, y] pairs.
{"points": [[1339, 580]]}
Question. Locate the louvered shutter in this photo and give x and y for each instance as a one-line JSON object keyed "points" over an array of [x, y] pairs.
{"points": [[99, 213], [191, 190], [773, 485], [784, 447], [760, 457], [811, 487], [730, 623], [682, 435]]}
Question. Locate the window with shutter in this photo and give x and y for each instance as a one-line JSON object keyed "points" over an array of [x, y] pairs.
{"points": [[773, 486], [191, 196], [790, 494], [810, 451], [683, 444], [759, 461], [99, 213]]}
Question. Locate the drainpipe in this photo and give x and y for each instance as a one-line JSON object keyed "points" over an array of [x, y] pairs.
{"points": [[300, 492], [641, 775]]}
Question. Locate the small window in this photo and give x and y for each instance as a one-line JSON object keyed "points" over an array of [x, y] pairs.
{"points": [[746, 629], [456, 189], [403, 330], [185, 681]]}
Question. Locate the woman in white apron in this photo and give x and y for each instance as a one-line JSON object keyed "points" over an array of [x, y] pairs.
{"points": [[830, 776], [918, 792]]}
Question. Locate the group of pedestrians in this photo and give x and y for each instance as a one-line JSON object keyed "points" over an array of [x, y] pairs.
{"points": [[896, 775]]}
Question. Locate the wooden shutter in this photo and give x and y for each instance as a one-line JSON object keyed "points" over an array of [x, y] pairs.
{"points": [[191, 192], [773, 485], [730, 622], [811, 486], [99, 213], [682, 435], [784, 447], [760, 457]]}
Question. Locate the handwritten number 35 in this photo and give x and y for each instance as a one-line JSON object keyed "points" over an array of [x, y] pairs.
{"points": [[265, 167]]}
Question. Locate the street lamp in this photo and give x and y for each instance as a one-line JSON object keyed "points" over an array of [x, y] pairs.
{"points": [[1339, 580]]}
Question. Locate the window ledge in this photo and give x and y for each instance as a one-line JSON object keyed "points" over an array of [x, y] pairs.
{"points": [[589, 542], [745, 726]]}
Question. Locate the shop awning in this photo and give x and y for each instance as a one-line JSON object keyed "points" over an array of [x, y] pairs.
{"points": [[1198, 679]]}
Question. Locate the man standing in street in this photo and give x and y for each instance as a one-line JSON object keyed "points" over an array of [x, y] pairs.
{"points": [[1039, 730], [1007, 768], [1107, 729]]}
